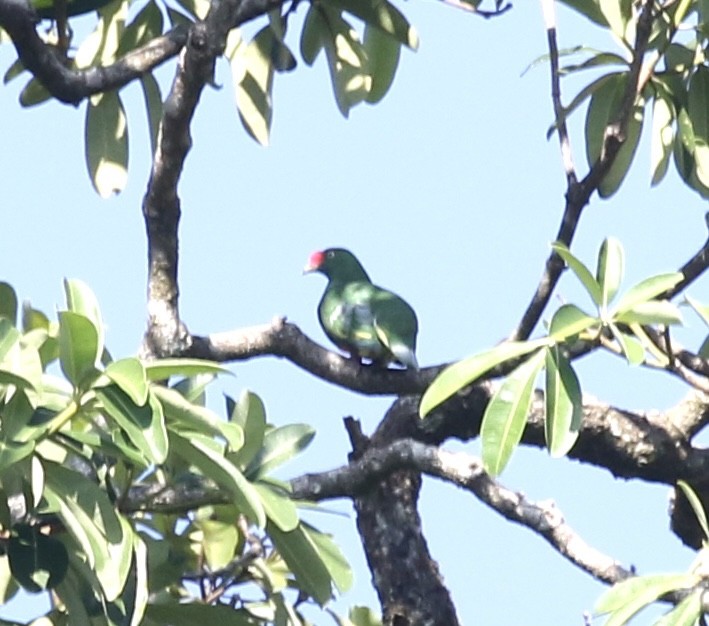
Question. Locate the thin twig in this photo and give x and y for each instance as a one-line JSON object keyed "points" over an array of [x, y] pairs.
{"points": [[548, 10], [579, 194]]}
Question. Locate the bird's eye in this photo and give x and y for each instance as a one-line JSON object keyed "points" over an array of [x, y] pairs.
{"points": [[330, 254]]}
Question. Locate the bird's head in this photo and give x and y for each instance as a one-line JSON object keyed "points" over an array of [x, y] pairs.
{"points": [[336, 263]]}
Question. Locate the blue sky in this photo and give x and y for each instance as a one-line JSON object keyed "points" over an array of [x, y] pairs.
{"points": [[449, 193]]}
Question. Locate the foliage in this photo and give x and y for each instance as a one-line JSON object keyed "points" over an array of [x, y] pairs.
{"points": [[88, 458], [619, 327], [362, 65]]}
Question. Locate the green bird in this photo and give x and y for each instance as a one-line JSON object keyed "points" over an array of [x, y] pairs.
{"points": [[360, 318]]}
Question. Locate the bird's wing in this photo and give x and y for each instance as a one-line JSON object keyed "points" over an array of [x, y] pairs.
{"points": [[396, 326]]}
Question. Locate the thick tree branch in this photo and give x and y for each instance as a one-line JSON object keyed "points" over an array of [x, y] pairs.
{"points": [[166, 335], [467, 472], [579, 194], [72, 86], [284, 339]]}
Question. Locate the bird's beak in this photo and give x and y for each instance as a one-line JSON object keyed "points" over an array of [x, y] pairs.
{"points": [[308, 268]]}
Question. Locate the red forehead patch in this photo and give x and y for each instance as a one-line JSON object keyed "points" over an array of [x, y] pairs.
{"points": [[316, 259]]}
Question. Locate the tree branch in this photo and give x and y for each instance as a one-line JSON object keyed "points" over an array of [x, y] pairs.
{"points": [[166, 335], [284, 339], [579, 194], [466, 472], [72, 86]]}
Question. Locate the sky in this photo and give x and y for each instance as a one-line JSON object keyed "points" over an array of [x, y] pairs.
{"points": [[449, 193]]}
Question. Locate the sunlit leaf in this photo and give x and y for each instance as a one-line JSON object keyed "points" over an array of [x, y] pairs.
{"points": [[582, 272], [631, 347], [279, 508], [686, 613], [89, 516], [165, 368], [506, 414], [626, 598], [129, 374], [215, 466], [250, 414], [303, 558], [280, 445], [384, 16], [107, 143], [78, 347], [143, 424], [252, 71], [696, 505], [569, 320], [651, 312], [647, 290], [610, 269], [563, 404], [663, 115], [347, 61], [461, 374]]}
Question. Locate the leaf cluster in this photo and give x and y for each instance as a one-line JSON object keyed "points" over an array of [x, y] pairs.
{"points": [[80, 431], [617, 322]]}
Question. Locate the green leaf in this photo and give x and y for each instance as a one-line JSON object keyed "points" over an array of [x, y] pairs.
{"points": [[461, 374], [647, 290], [165, 368], [589, 9], [617, 14], [610, 269], [213, 465], [34, 93], [9, 339], [279, 445], [146, 25], [603, 110], [12, 452], [252, 71], [107, 143], [8, 302], [364, 616], [153, 106], [347, 61], [696, 505], [569, 320], [89, 516], [631, 347], [129, 374], [625, 599], [700, 309], [663, 136], [312, 39], [652, 312], [563, 403], [143, 424], [697, 98], [187, 417], [384, 16], [332, 557], [506, 414], [250, 414], [219, 542], [582, 272], [686, 613], [383, 52], [279, 508], [78, 347], [303, 558]]}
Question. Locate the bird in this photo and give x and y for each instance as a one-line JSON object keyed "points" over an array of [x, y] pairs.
{"points": [[360, 318]]}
